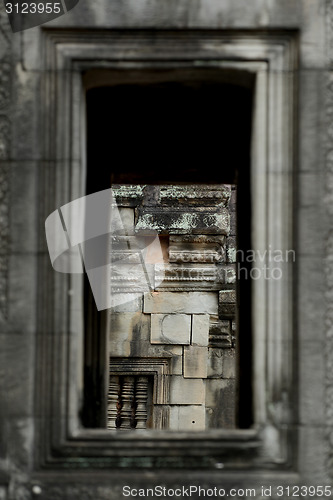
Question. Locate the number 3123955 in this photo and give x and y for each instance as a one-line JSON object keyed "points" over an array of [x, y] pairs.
{"points": [[33, 8]]}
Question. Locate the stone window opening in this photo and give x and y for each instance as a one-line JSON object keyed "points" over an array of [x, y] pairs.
{"points": [[128, 402], [265, 62], [180, 167]]}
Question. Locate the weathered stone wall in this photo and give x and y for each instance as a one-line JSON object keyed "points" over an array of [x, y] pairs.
{"points": [[23, 103], [189, 315]]}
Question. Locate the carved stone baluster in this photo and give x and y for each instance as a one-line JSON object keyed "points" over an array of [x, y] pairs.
{"points": [[127, 395], [141, 394], [113, 396]]}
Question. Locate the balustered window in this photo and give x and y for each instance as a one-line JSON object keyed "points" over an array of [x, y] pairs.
{"points": [[129, 402]]}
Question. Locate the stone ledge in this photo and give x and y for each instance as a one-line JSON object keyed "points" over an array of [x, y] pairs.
{"points": [[207, 220]]}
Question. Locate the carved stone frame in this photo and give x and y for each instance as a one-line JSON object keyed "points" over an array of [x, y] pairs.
{"points": [[272, 57], [159, 369]]}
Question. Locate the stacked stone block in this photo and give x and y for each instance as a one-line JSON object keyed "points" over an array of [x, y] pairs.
{"points": [[186, 313]]}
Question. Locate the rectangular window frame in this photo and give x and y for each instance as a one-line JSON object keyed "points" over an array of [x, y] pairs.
{"points": [[272, 57]]}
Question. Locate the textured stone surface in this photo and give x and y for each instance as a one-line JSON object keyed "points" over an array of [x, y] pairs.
{"points": [[187, 418], [186, 391], [209, 195], [221, 363], [127, 276], [312, 22], [182, 252], [129, 326], [195, 362], [226, 275], [175, 302], [231, 249], [227, 303], [127, 219], [220, 413], [214, 363], [229, 363], [187, 277], [128, 195], [144, 349], [170, 329], [126, 302], [220, 333], [182, 221], [200, 329]]}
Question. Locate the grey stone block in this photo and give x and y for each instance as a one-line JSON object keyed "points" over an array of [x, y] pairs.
{"points": [[20, 433], [175, 353], [313, 442], [126, 302], [221, 363], [122, 349], [310, 231], [199, 239], [22, 291], [25, 122], [183, 220], [217, 195], [233, 199], [127, 277], [129, 326], [215, 363], [310, 189], [186, 391], [233, 224], [16, 375], [226, 275], [187, 418], [200, 329], [144, 349], [23, 193], [312, 120], [181, 302], [220, 403], [220, 334], [127, 219], [195, 362], [229, 364], [311, 382], [310, 289], [186, 277], [231, 249], [227, 303], [183, 252], [128, 195], [170, 329]]}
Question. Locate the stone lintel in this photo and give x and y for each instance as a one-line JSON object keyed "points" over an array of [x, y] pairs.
{"points": [[183, 220], [181, 302]]}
